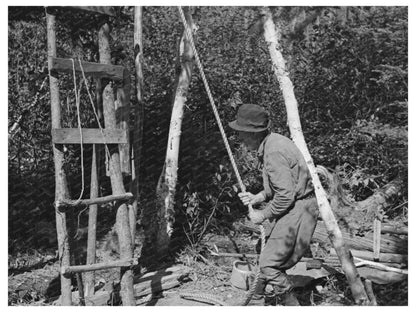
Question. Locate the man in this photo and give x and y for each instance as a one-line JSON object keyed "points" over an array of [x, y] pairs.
{"points": [[291, 205]]}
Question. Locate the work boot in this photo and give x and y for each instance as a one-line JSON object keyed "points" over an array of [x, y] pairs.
{"points": [[288, 299]]}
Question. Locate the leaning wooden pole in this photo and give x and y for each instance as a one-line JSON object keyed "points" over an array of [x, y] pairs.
{"points": [[279, 68], [116, 177], [95, 173], [61, 186], [92, 226], [166, 187]]}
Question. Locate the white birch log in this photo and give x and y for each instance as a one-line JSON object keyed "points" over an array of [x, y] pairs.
{"points": [[167, 183], [279, 68]]}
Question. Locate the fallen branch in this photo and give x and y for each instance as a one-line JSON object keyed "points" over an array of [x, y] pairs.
{"points": [[380, 197], [380, 266], [68, 203], [383, 257], [235, 255], [385, 228]]}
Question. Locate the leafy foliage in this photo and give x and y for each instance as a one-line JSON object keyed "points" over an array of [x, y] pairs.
{"points": [[350, 77]]}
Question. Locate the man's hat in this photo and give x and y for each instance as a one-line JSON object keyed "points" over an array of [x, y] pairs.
{"points": [[250, 118]]}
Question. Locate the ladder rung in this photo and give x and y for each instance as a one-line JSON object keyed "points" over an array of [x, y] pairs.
{"points": [[97, 266], [68, 203], [89, 136], [98, 70]]}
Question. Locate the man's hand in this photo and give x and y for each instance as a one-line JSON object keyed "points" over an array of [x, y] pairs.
{"points": [[256, 216], [250, 199]]}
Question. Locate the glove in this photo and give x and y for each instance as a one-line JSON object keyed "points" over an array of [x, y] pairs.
{"points": [[250, 199]]}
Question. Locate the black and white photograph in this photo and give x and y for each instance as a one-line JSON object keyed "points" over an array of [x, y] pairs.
{"points": [[207, 155]]}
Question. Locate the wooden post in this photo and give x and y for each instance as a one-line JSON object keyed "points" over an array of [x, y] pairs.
{"points": [[279, 68], [94, 192], [377, 235], [61, 186], [139, 118], [92, 226], [122, 106], [116, 177]]}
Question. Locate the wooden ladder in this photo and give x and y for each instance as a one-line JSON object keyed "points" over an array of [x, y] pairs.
{"points": [[116, 136]]}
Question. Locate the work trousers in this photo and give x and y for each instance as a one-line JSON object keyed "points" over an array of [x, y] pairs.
{"points": [[289, 239]]}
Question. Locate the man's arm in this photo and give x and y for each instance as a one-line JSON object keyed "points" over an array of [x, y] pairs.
{"points": [[252, 199], [282, 184]]}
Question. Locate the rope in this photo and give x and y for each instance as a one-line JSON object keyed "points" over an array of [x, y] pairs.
{"points": [[225, 140], [79, 123]]}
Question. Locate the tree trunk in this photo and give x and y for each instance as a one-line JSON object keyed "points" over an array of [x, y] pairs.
{"points": [[270, 34], [166, 187], [61, 186], [116, 178]]}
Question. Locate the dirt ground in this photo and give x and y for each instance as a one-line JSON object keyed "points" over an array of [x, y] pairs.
{"points": [[207, 275]]}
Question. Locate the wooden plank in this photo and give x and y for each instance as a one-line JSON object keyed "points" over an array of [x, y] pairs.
{"points": [[115, 72], [89, 136], [107, 10], [70, 203]]}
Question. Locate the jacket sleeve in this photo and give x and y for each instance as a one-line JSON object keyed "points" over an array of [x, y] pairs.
{"points": [[281, 182]]}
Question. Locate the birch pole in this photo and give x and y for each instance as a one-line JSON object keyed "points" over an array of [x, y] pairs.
{"points": [[286, 86], [166, 187]]}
